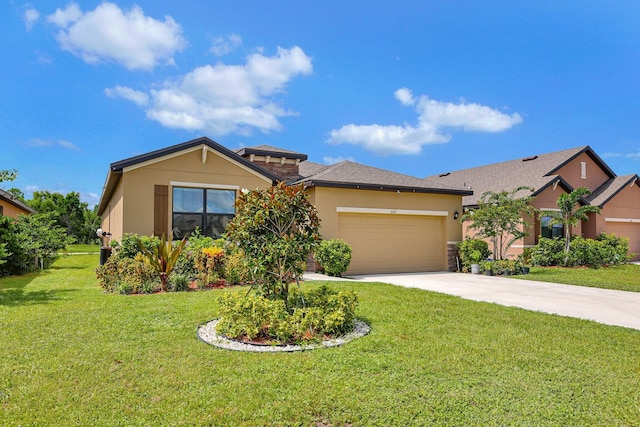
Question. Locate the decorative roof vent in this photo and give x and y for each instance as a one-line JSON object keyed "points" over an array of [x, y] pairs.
{"points": [[528, 159], [444, 174]]}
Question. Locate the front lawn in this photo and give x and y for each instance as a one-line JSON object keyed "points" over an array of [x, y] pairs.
{"points": [[621, 277], [72, 355]]}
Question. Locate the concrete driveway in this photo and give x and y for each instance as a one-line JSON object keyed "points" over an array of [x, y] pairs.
{"points": [[610, 307]]}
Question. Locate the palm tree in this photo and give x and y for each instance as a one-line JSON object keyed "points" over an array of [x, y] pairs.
{"points": [[570, 214]]}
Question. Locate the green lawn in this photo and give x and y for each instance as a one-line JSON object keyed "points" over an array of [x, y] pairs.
{"points": [[71, 355], [621, 277], [83, 248]]}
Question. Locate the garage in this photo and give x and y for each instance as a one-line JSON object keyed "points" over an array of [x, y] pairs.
{"points": [[393, 242], [630, 230]]}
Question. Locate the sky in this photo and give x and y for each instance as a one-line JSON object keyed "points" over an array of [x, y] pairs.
{"points": [[416, 87]]}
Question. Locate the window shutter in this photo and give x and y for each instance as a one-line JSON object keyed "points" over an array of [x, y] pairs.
{"points": [[160, 210]]}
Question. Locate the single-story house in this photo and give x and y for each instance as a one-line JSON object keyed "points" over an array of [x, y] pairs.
{"points": [[393, 222], [550, 175], [12, 207]]}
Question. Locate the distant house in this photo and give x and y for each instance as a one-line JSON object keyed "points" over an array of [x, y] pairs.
{"points": [[555, 173], [394, 222], [12, 207]]}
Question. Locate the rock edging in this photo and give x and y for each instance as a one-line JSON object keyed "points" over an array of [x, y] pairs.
{"points": [[207, 333]]}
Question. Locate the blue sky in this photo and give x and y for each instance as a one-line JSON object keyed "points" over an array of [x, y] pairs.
{"points": [[417, 87]]}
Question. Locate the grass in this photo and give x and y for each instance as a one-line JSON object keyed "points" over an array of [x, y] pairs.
{"points": [[621, 277], [72, 355], [78, 248]]}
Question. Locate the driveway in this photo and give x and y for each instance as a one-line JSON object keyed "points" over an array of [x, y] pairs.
{"points": [[610, 307]]}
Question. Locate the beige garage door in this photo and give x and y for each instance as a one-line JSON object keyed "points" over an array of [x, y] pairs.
{"points": [[630, 230], [393, 243]]}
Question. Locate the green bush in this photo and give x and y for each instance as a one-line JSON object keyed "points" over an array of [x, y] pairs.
{"points": [[316, 314], [127, 276], [472, 251], [607, 249], [236, 269], [334, 256], [129, 246], [178, 283], [548, 252]]}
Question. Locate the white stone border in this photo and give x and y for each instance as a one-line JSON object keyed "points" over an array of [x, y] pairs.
{"points": [[207, 333]]}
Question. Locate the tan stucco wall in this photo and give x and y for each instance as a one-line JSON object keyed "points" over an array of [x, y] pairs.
{"points": [[571, 173], [112, 218], [10, 210], [626, 206], [326, 200], [138, 184]]}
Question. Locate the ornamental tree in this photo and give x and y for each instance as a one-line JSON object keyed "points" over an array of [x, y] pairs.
{"points": [[276, 228], [500, 217], [570, 214]]}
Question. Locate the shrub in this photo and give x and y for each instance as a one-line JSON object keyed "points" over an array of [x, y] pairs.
{"points": [[186, 261], [236, 269], [472, 251], [318, 313], [127, 276], [130, 244], [334, 256], [209, 265], [178, 283], [547, 252]]}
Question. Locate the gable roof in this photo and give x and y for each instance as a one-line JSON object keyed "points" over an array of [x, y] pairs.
{"points": [[537, 171], [609, 189], [348, 174], [116, 168], [9, 198]]}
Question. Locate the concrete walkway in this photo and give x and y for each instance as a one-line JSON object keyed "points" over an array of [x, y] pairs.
{"points": [[610, 307]]}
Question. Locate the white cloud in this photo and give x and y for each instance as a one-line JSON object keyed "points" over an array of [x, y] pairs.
{"points": [[224, 98], [30, 17], [333, 160], [111, 34], [635, 156], [140, 98], [433, 117], [224, 45], [38, 142]]}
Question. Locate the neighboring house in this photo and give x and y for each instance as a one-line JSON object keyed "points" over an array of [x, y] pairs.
{"points": [[394, 222], [12, 207], [550, 175]]}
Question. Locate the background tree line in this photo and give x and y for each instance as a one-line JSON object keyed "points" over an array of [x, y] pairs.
{"points": [[33, 241]]}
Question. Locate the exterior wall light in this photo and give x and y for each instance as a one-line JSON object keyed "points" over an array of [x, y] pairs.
{"points": [[456, 215]]}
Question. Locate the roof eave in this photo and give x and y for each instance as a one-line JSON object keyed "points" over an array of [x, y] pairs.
{"points": [[382, 187]]}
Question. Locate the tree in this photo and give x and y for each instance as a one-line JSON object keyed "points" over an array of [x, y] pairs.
{"points": [[276, 228], [31, 241], [8, 175], [500, 217], [69, 212], [570, 214]]}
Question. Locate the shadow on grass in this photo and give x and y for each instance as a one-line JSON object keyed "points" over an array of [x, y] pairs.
{"points": [[18, 297]]}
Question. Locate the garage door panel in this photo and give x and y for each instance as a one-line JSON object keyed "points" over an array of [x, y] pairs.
{"points": [[393, 243], [630, 230]]}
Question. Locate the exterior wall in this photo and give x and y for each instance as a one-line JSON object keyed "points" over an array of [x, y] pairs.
{"points": [[136, 198], [327, 200], [11, 210], [571, 173], [624, 208], [112, 218]]}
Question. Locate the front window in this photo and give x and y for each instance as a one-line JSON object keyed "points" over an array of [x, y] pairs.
{"points": [[556, 230], [209, 210]]}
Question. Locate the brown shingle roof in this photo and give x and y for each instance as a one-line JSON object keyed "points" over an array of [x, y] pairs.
{"points": [[609, 189], [535, 171], [8, 197], [354, 175]]}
